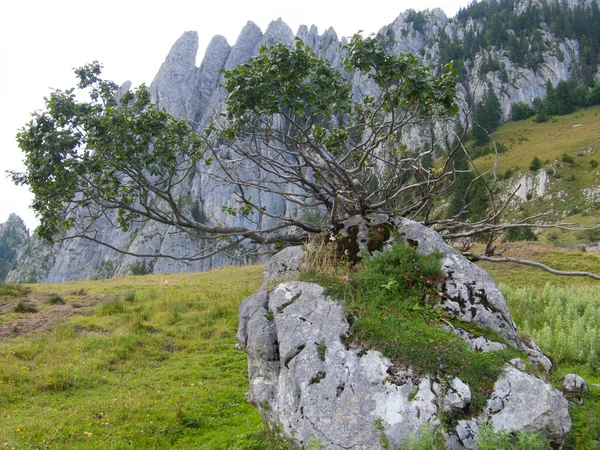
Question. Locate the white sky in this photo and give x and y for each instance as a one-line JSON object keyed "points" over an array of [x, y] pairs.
{"points": [[42, 40]]}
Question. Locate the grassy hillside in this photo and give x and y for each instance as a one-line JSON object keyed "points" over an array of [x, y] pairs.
{"points": [[576, 134], [567, 186], [127, 363], [130, 363]]}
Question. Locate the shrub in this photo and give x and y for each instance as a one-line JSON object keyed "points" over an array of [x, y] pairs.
{"points": [[536, 164], [521, 111], [541, 117], [112, 307], [141, 268], [567, 159], [524, 440], [129, 297], [482, 150], [55, 299], [566, 323], [594, 163], [24, 307], [520, 234], [592, 235]]}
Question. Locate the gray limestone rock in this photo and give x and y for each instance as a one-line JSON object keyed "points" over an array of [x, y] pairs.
{"points": [[285, 264], [574, 384], [173, 85], [524, 402], [458, 395], [466, 432], [479, 344], [308, 384], [14, 236], [312, 385]]}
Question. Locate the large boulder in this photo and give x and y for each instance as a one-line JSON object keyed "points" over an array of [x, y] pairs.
{"points": [[306, 383], [310, 385], [521, 401], [468, 292]]}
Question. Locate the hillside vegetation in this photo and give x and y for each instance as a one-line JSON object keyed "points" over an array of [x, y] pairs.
{"points": [[134, 363], [130, 363], [127, 363]]}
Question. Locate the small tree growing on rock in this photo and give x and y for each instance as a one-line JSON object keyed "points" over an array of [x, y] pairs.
{"points": [[293, 128]]}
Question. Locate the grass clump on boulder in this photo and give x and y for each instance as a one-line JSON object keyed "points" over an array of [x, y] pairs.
{"points": [[391, 304]]}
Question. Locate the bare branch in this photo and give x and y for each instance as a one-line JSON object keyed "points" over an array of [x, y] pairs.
{"points": [[526, 262]]}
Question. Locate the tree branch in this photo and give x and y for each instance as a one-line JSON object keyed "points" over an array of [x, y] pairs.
{"points": [[526, 262]]}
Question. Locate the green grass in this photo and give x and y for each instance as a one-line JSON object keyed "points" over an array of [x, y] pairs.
{"points": [[8, 291], [146, 366], [157, 369], [566, 325]]}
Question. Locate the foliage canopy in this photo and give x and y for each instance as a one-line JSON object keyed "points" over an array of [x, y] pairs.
{"points": [[290, 117], [294, 131]]}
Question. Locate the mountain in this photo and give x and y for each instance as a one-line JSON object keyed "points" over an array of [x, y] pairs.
{"points": [[13, 236], [513, 48]]}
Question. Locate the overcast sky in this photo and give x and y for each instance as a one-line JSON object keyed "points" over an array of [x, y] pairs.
{"points": [[42, 40]]}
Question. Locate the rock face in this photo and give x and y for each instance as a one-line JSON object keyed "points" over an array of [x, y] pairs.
{"points": [[468, 292], [574, 384], [308, 384], [13, 236], [521, 401], [193, 92]]}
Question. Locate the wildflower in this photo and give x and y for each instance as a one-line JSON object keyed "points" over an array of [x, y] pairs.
{"points": [[441, 367], [439, 358]]}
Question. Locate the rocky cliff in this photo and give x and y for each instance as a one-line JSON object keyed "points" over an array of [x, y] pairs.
{"points": [[193, 92], [13, 236]]}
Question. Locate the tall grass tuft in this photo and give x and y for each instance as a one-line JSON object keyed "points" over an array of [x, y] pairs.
{"points": [[24, 307], [112, 307], [55, 299], [564, 321]]}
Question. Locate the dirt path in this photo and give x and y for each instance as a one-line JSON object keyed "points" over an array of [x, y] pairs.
{"points": [[30, 323]]}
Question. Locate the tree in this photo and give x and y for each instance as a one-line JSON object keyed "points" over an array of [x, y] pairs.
{"points": [[291, 129], [486, 117], [521, 111], [536, 164], [289, 114]]}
